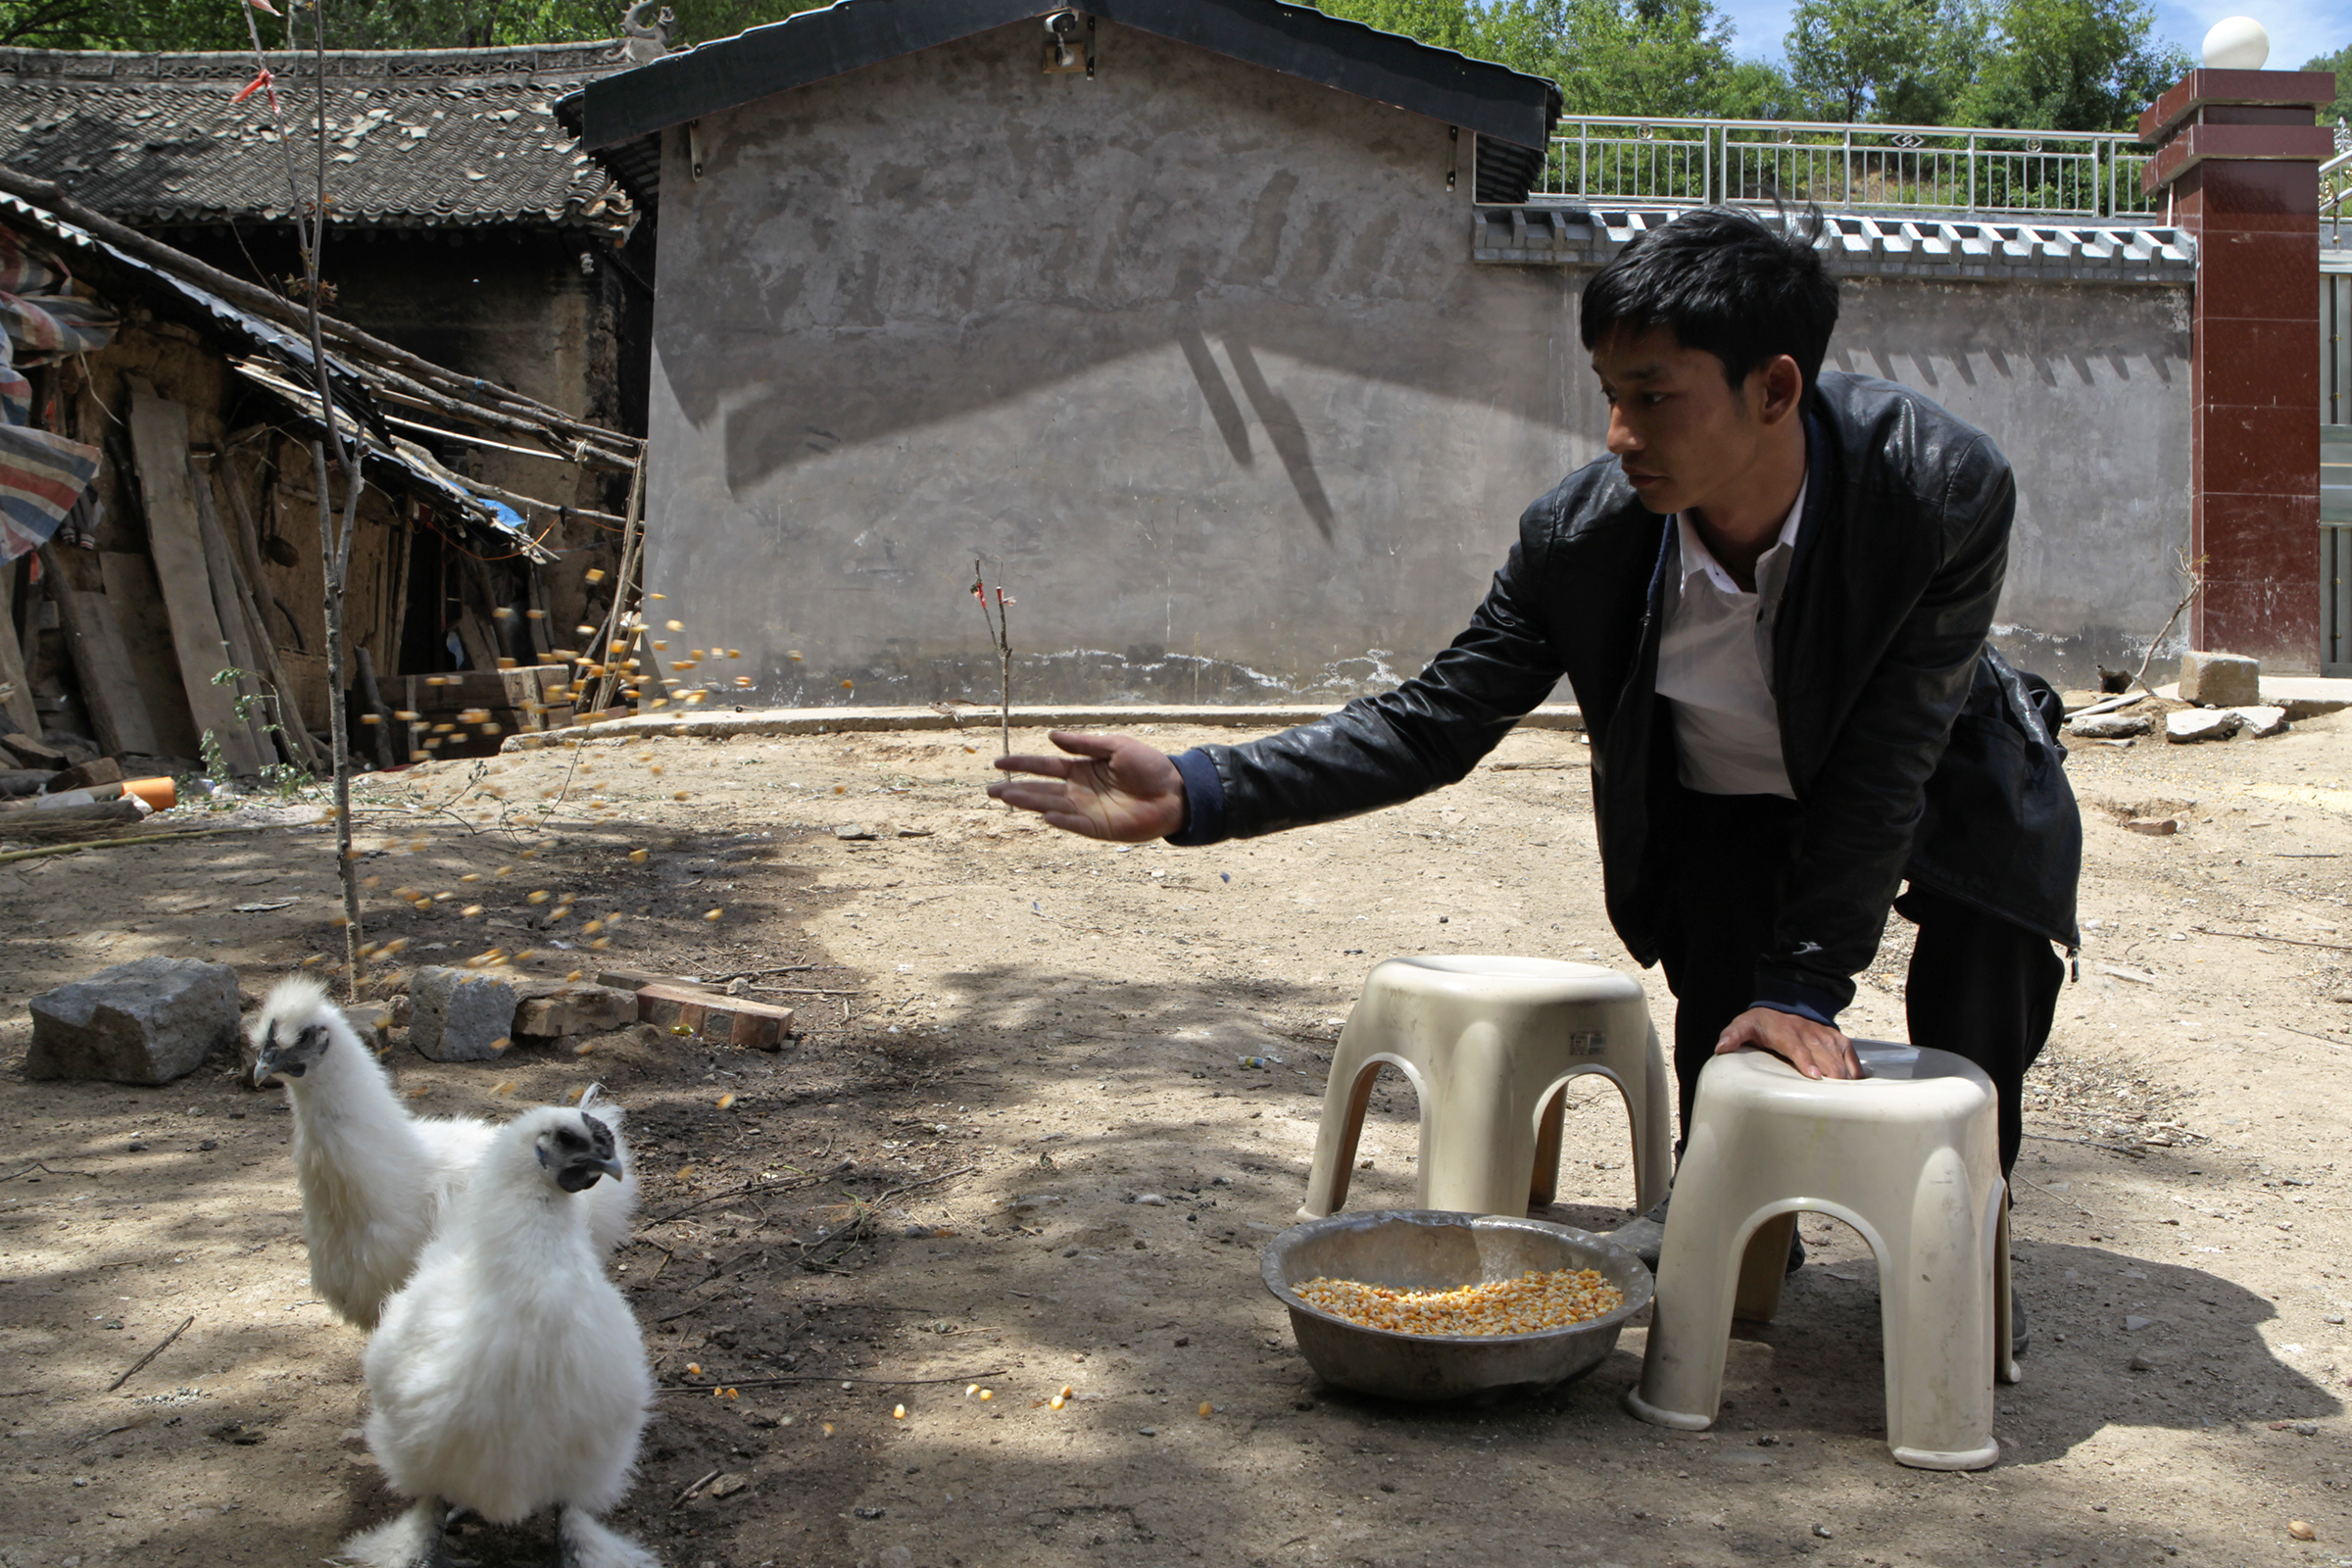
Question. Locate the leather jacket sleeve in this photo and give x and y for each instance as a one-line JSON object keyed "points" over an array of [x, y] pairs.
{"points": [[1378, 751], [1862, 805]]}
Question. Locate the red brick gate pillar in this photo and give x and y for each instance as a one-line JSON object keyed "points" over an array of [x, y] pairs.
{"points": [[2236, 155]]}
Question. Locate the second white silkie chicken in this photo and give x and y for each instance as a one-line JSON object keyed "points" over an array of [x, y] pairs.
{"points": [[509, 1375]]}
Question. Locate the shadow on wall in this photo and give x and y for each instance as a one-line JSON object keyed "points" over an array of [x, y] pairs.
{"points": [[854, 392]]}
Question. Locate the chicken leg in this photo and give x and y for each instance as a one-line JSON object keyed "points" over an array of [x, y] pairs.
{"points": [[583, 1542], [432, 1552]]}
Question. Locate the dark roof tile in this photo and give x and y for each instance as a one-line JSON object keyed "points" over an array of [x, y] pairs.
{"points": [[155, 140]]}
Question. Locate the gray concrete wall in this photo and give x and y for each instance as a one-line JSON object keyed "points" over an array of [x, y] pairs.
{"points": [[2087, 390], [1192, 354], [1196, 358]]}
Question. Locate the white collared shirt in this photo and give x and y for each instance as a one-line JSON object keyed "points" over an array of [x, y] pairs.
{"points": [[1715, 666]]}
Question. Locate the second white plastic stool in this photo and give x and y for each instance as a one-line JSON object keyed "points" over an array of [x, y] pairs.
{"points": [[1908, 1157], [1490, 1044]]}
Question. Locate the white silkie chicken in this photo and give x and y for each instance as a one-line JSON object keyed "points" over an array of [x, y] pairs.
{"points": [[376, 1182], [508, 1376]]}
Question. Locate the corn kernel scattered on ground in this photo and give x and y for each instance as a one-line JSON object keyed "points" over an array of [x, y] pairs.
{"points": [[1527, 1304]]}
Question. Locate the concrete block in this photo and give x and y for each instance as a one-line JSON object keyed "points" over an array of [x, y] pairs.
{"points": [[2261, 721], [576, 1011], [2109, 727], [713, 1018], [2201, 724], [148, 1022], [2220, 680], [460, 1014]]}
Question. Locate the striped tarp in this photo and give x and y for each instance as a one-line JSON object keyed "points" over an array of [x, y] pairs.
{"points": [[42, 474]]}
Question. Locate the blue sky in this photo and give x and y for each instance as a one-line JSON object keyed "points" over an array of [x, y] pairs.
{"points": [[2296, 35]]}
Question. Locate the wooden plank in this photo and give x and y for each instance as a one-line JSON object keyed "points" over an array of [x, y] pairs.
{"points": [[21, 711], [108, 690], [301, 748], [146, 627], [159, 443], [221, 575]]}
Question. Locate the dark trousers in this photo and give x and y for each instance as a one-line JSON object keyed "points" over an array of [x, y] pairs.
{"points": [[1978, 987]]}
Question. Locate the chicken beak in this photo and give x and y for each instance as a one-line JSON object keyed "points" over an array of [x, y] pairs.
{"points": [[611, 1167]]}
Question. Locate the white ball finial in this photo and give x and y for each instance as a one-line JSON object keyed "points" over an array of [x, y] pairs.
{"points": [[2237, 44]]}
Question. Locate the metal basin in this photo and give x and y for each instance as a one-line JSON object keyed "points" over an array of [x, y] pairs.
{"points": [[1430, 1250]]}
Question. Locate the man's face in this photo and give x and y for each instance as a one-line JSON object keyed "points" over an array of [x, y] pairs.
{"points": [[1686, 438]]}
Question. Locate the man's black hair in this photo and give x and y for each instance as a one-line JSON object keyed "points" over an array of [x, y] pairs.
{"points": [[1742, 287]]}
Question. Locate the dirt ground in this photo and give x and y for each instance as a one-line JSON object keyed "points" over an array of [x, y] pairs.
{"points": [[1010, 1036]]}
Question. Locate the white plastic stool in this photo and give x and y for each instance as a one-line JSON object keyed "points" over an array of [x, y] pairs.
{"points": [[1490, 1044], [1909, 1156]]}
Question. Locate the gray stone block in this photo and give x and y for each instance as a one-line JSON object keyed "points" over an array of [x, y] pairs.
{"points": [[460, 1014], [2110, 726], [2220, 680], [148, 1022], [2187, 726]]}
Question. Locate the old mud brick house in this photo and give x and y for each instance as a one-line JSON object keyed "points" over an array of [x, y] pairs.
{"points": [[199, 550], [467, 228], [1232, 335]]}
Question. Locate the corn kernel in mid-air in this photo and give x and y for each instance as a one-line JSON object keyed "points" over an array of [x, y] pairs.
{"points": [[898, 1412], [637, 856], [727, 1100], [715, 914]]}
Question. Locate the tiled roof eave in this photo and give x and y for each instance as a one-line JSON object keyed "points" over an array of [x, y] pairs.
{"points": [[1925, 247]]}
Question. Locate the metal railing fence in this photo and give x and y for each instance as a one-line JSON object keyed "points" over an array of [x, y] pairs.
{"points": [[2335, 185], [1607, 158]]}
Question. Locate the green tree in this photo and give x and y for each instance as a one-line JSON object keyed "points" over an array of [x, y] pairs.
{"points": [[179, 24], [2340, 62], [2069, 64], [1610, 56], [1645, 56], [1901, 62]]}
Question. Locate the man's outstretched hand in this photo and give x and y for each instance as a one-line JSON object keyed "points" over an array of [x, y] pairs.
{"points": [[1109, 787], [1814, 1049]]}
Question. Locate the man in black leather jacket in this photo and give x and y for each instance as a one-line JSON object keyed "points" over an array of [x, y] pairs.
{"points": [[1772, 602]]}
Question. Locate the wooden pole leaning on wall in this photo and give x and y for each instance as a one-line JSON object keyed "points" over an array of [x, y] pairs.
{"points": [[244, 557], [632, 552], [374, 695], [19, 697]]}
